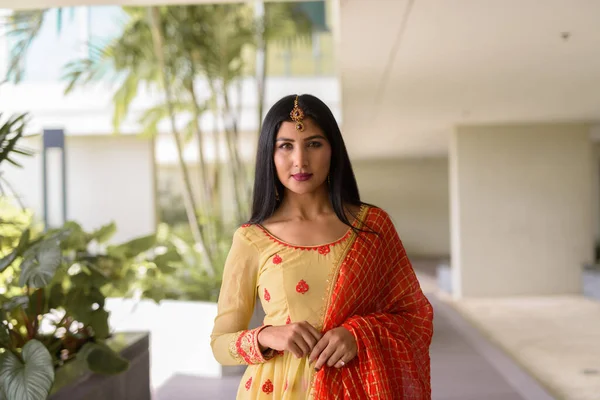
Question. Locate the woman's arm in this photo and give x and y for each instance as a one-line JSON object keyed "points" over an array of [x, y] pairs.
{"points": [[231, 340]]}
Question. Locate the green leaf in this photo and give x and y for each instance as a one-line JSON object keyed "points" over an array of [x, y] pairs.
{"points": [[16, 302], [79, 305], [163, 261], [56, 297], [76, 238], [99, 323], [96, 296], [4, 336], [97, 278], [30, 379], [104, 233], [38, 270], [80, 280], [103, 360], [94, 278], [8, 260], [155, 293], [10, 133], [136, 246]]}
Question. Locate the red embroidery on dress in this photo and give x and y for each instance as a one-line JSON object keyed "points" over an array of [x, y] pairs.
{"points": [[302, 287], [246, 225], [323, 250], [280, 353], [267, 296], [286, 386], [288, 320], [276, 240], [249, 384], [247, 347], [277, 259], [268, 387]]}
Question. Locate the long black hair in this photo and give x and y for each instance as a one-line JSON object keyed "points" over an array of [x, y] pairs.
{"points": [[343, 189]]}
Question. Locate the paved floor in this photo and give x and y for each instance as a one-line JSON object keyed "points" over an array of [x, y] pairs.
{"points": [[464, 367], [555, 338]]}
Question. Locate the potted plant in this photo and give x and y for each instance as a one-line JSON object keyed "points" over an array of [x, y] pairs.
{"points": [[52, 295]]}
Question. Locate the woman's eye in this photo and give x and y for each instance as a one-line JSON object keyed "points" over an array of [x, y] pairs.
{"points": [[286, 146], [314, 144]]}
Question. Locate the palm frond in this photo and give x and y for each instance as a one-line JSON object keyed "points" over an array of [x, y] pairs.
{"points": [[10, 133], [153, 116], [123, 97], [286, 23], [22, 28], [94, 68]]}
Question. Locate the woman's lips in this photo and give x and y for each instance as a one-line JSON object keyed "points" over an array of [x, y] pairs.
{"points": [[302, 177]]}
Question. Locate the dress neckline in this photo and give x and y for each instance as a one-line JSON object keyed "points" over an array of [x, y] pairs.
{"points": [[359, 216]]}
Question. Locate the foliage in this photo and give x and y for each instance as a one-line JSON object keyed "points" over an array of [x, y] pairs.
{"points": [[53, 294], [165, 52]]}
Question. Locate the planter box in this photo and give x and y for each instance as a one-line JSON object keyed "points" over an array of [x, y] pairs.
{"points": [[73, 383], [179, 335]]}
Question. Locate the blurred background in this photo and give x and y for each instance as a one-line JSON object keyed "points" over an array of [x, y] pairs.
{"points": [[128, 130]]}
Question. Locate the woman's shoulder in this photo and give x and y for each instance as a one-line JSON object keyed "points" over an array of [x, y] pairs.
{"points": [[253, 234], [376, 216]]}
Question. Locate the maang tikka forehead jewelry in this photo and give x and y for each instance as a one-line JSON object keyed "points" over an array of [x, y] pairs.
{"points": [[297, 116]]}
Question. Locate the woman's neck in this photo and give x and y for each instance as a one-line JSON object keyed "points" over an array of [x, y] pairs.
{"points": [[306, 206]]}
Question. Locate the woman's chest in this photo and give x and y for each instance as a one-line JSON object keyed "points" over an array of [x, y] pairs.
{"points": [[292, 283]]}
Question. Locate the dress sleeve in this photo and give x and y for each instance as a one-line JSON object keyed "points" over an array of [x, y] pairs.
{"points": [[231, 340]]}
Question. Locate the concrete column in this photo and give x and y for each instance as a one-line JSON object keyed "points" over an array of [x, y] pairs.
{"points": [[521, 211]]}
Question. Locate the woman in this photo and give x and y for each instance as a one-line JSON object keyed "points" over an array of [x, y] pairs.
{"points": [[345, 315]]}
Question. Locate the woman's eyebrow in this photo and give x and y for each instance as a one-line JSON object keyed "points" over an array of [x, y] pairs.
{"points": [[316, 137]]}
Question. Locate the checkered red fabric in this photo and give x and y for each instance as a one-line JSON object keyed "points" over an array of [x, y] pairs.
{"points": [[378, 298]]}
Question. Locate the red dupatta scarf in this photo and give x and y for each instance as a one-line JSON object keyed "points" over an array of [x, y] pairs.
{"points": [[377, 297]]}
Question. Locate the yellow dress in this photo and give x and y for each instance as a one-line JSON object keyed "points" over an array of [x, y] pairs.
{"points": [[292, 283]]}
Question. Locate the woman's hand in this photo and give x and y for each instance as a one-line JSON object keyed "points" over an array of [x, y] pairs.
{"points": [[297, 338], [336, 348]]}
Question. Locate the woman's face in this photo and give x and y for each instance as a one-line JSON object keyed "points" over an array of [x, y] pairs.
{"points": [[302, 159]]}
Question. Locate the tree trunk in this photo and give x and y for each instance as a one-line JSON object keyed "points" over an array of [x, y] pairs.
{"points": [[238, 170], [188, 194], [207, 201], [216, 179], [261, 59]]}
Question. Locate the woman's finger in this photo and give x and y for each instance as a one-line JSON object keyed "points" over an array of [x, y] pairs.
{"points": [[325, 354], [314, 332], [295, 349], [336, 357], [318, 349], [310, 340]]}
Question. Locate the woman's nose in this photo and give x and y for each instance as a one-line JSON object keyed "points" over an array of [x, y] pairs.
{"points": [[300, 158]]}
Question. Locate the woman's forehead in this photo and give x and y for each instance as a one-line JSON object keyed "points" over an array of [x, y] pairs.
{"points": [[288, 130]]}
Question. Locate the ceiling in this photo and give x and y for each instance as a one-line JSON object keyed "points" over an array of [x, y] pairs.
{"points": [[411, 70]]}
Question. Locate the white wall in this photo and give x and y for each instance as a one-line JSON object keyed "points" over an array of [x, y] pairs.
{"points": [[414, 192], [109, 178], [522, 213]]}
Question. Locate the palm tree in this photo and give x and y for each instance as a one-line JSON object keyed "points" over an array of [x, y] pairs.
{"points": [[281, 23], [171, 48], [23, 27]]}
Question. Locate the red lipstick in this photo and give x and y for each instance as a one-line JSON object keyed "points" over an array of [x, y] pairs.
{"points": [[302, 177]]}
